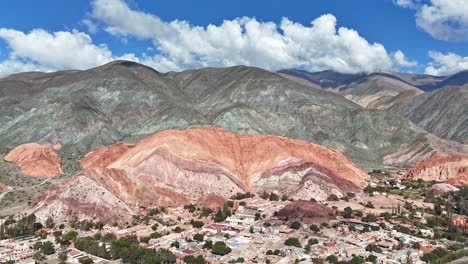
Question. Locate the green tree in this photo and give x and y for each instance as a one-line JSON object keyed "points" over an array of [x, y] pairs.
{"points": [[307, 248], [108, 237], [175, 244], [62, 257], [208, 244], [332, 259], [296, 225], [373, 248], [437, 208], [220, 248], [292, 242], [348, 212], [57, 233], [196, 224], [240, 260], [38, 256], [86, 260], [372, 258], [226, 212], [49, 222], [194, 260], [198, 237], [315, 228], [71, 235], [356, 260], [219, 217], [47, 248], [274, 197], [371, 218]]}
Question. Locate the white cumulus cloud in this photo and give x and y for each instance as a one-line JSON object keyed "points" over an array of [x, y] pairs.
{"points": [[442, 19], [401, 59], [407, 3], [44, 51], [247, 41], [446, 64], [179, 45]]}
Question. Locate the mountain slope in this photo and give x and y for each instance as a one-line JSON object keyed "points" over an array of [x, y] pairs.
{"points": [[85, 110], [176, 167], [443, 112], [378, 90]]}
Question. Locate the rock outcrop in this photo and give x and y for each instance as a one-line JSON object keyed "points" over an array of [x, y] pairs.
{"points": [[450, 169], [36, 160], [307, 212], [176, 167], [211, 201], [439, 189], [103, 157]]}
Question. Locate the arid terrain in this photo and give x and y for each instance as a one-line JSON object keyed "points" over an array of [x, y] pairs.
{"points": [[271, 167]]}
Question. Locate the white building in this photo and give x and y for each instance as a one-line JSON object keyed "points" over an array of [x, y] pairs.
{"points": [[235, 220]]}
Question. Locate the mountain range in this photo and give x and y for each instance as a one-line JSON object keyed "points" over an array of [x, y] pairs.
{"points": [[436, 104], [127, 101]]}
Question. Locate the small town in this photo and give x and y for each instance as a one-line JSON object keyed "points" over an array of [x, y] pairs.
{"points": [[248, 229], [234, 131]]}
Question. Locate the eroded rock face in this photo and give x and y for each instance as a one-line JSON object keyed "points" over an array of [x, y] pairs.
{"points": [[307, 212], [81, 198], [450, 169], [176, 167], [36, 160], [213, 160], [440, 189], [102, 157]]}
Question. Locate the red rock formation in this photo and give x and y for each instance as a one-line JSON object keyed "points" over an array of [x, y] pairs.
{"points": [[36, 160], [212, 201], [3, 187], [250, 162], [307, 212], [450, 169], [176, 167], [102, 157]]}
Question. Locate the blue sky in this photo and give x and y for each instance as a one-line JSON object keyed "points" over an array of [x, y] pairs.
{"points": [[406, 35]]}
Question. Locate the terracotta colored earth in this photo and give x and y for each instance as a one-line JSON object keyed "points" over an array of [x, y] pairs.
{"points": [[36, 160], [450, 169], [176, 167], [212, 201], [102, 157], [307, 212]]}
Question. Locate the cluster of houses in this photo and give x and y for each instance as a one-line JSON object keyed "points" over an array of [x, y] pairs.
{"points": [[255, 233]]}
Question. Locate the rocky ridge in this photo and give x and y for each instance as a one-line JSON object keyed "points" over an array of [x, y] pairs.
{"points": [[450, 169], [176, 167], [122, 101], [37, 160]]}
